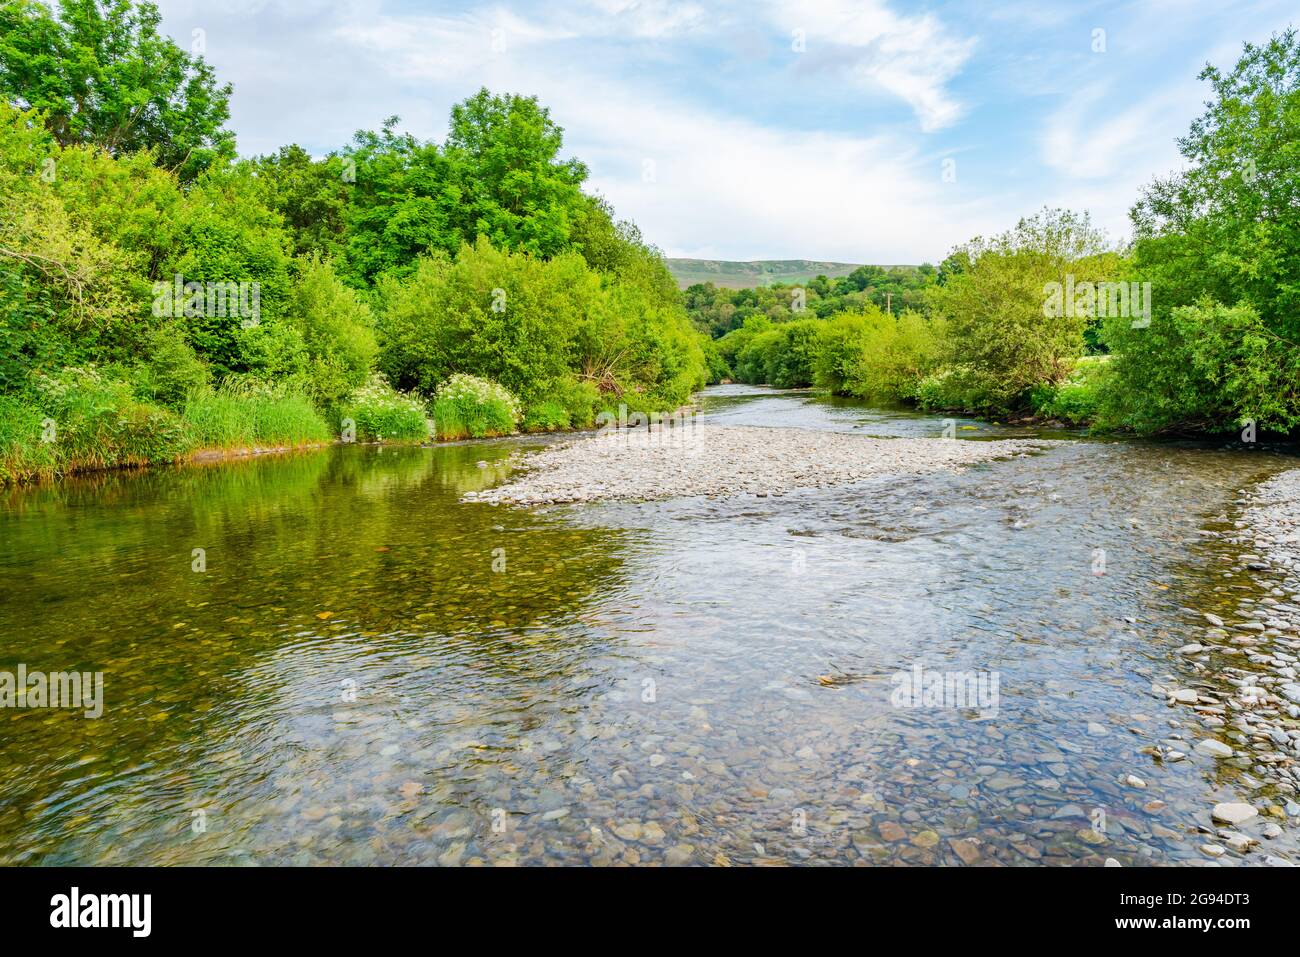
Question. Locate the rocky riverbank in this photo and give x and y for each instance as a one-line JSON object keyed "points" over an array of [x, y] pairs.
{"points": [[691, 459], [1247, 692], [1272, 524]]}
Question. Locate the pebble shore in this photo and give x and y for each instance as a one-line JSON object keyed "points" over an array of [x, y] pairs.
{"points": [[1254, 727], [637, 465]]}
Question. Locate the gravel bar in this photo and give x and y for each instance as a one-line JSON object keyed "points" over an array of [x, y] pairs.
{"points": [[1273, 521], [638, 465]]}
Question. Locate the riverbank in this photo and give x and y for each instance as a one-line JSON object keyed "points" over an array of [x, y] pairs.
{"points": [[693, 459], [1272, 524], [1246, 693]]}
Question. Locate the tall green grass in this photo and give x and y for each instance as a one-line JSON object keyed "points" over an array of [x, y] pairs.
{"points": [[79, 420], [23, 453], [236, 415]]}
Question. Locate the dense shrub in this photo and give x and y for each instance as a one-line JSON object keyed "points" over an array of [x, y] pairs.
{"points": [[337, 330], [580, 400], [638, 347], [731, 345], [839, 346], [170, 369], [781, 354], [792, 367], [548, 415], [99, 423], [999, 326], [957, 389], [534, 326], [380, 413], [24, 452], [895, 355], [1201, 367], [508, 317], [715, 366], [1077, 399], [469, 407]]}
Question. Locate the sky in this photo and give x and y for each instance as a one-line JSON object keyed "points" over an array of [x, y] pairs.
{"points": [[842, 130]]}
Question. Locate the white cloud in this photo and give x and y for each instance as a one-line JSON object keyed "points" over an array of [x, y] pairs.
{"points": [[910, 57], [653, 79], [1098, 132], [763, 192], [649, 18], [1105, 145], [723, 187]]}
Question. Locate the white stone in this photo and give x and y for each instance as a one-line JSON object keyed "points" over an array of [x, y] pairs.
{"points": [[1233, 812], [1214, 747]]}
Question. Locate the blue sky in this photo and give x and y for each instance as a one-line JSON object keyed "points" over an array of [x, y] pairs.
{"points": [[767, 129]]}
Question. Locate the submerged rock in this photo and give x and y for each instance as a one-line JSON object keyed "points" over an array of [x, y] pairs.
{"points": [[1234, 812]]}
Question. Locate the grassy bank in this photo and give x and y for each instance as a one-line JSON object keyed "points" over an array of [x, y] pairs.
{"points": [[84, 420], [106, 427]]}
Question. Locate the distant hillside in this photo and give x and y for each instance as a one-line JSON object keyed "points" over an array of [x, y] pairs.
{"points": [[761, 272]]}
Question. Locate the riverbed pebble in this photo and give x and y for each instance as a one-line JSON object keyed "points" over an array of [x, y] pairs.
{"points": [[1234, 812], [640, 465]]}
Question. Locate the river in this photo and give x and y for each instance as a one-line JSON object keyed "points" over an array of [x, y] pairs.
{"points": [[328, 658]]}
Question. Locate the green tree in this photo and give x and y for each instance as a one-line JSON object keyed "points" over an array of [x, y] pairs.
{"points": [[311, 195], [337, 329], [1228, 226], [102, 74], [1224, 232], [1002, 334], [508, 317], [403, 204], [224, 234], [517, 190], [499, 175]]}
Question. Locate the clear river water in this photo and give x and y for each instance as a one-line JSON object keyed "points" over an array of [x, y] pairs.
{"points": [[358, 668]]}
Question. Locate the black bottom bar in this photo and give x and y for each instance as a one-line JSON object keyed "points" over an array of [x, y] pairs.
{"points": [[339, 906]]}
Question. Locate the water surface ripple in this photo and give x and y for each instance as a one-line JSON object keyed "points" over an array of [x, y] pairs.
{"points": [[370, 671]]}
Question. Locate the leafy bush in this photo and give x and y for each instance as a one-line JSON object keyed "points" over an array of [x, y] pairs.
{"points": [[715, 366], [381, 413], [778, 354], [508, 317], [1205, 366], [580, 401], [755, 362], [337, 329], [23, 453], [639, 348], [533, 325], [1001, 327], [99, 423], [839, 346], [895, 355], [549, 415], [731, 345], [469, 407], [170, 370], [956, 389], [1078, 398], [792, 366]]}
